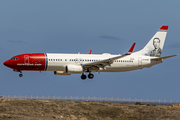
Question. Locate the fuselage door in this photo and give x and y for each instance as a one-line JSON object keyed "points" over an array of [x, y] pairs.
{"points": [[139, 61], [76, 61], [80, 60], [26, 59]]}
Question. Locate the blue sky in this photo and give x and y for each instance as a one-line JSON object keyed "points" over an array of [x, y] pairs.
{"points": [[79, 26]]}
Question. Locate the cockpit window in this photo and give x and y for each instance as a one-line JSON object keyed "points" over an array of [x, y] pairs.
{"points": [[14, 58]]}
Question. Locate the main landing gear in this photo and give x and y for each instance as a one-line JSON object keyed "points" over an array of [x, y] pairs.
{"points": [[83, 76], [90, 76]]}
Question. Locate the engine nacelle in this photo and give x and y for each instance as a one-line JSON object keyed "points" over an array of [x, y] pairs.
{"points": [[61, 73], [74, 69]]}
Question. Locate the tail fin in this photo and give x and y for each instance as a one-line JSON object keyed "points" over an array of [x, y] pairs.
{"points": [[155, 46]]}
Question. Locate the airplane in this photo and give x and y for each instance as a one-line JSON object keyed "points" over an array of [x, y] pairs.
{"points": [[67, 64]]}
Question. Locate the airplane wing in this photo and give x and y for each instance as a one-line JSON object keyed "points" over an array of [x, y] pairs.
{"points": [[106, 62], [160, 58]]}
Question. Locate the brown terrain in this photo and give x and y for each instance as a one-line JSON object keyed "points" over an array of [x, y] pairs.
{"points": [[21, 109]]}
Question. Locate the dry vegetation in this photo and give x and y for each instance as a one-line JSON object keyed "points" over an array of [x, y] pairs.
{"points": [[18, 109]]}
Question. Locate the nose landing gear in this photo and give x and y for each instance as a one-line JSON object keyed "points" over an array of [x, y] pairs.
{"points": [[20, 75]]}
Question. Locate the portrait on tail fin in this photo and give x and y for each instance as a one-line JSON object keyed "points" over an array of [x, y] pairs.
{"points": [[157, 50]]}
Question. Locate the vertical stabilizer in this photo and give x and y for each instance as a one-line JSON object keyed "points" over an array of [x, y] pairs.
{"points": [[155, 46]]}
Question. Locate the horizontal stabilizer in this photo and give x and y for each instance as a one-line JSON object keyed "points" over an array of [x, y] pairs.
{"points": [[160, 58]]}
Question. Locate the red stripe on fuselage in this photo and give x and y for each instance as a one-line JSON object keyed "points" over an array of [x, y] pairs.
{"points": [[32, 62]]}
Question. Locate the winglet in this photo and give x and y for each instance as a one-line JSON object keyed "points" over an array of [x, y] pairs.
{"points": [[131, 49], [164, 27], [90, 52]]}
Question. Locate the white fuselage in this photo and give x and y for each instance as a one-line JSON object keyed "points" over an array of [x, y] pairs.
{"points": [[57, 62]]}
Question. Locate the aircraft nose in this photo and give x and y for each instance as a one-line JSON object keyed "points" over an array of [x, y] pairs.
{"points": [[7, 63]]}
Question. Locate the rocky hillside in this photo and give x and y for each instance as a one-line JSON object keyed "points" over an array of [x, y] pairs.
{"points": [[19, 109]]}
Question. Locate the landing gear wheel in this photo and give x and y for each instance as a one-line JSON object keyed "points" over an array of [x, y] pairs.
{"points": [[20, 75], [90, 76], [83, 77]]}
